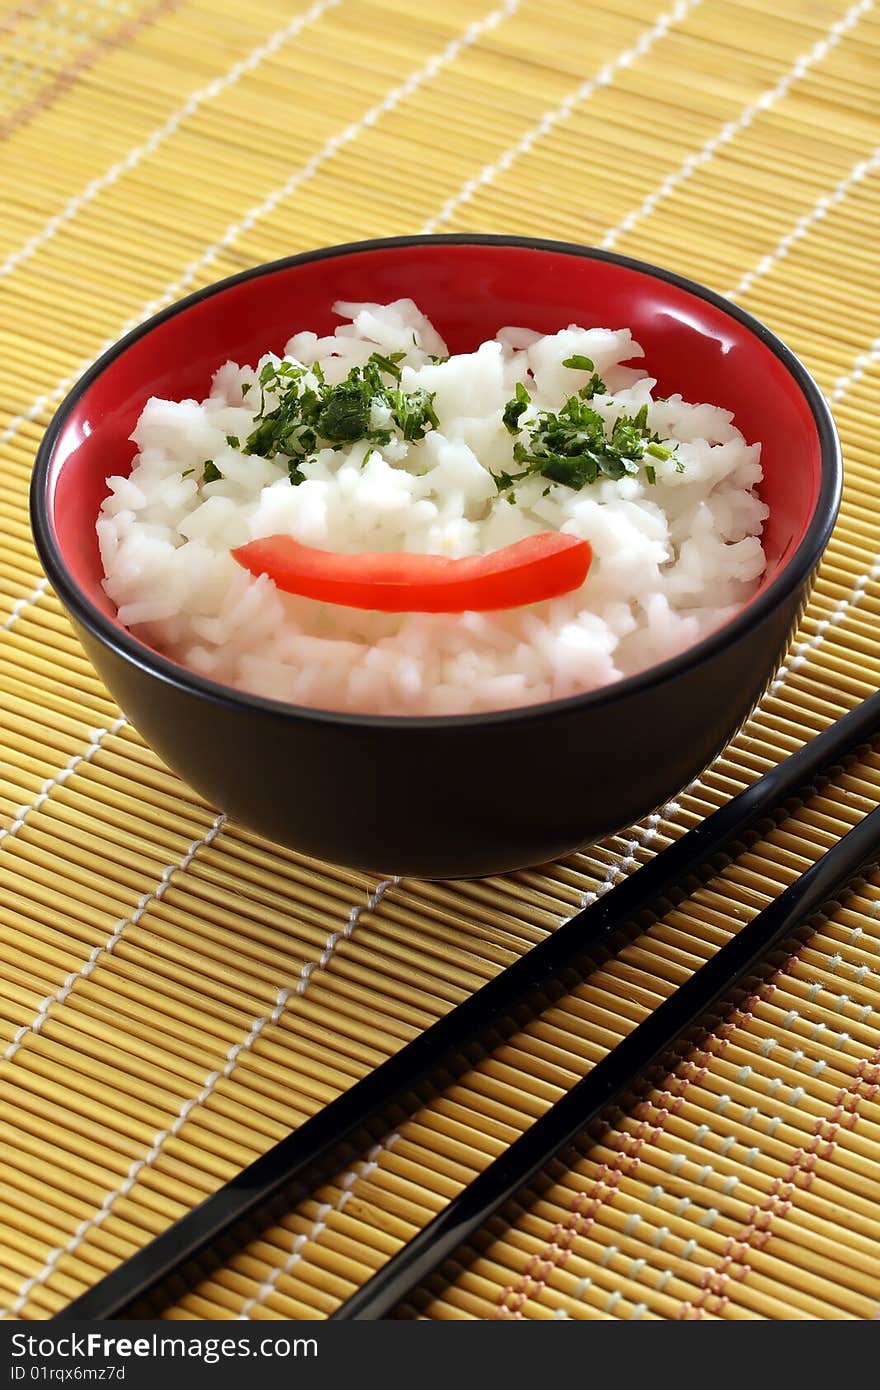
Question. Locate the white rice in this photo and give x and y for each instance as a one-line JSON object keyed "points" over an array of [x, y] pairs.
{"points": [[671, 561]]}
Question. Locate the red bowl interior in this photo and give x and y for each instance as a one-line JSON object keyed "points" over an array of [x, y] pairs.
{"points": [[469, 291]]}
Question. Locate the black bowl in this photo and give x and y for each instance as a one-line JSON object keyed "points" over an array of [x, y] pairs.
{"points": [[471, 794]]}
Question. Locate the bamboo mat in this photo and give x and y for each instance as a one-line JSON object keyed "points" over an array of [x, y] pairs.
{"points": [[177, 994]]}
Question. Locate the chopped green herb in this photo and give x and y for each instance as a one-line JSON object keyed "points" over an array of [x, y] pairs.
{"points": [[651, 473], [212, 472], [306, 419], [246, 387], [413, 412], [187, 472], [344, 415], [504, 480], [388, 364], [595, 386], [574, 446], [515, 409], [233, 440]]}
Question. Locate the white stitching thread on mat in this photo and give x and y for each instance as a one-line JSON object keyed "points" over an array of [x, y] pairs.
{"points": [[603, 78], [158, 136], [730, 129], [359, 1172], [26, 602], [232, 1056], [91, 748], [107, 947], [623, 867], [335, 937], [859, 172], [862, 364]]}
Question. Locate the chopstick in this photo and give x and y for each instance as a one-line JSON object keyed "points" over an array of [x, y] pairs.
{"points": [[204, 1238], [615, 1076]]}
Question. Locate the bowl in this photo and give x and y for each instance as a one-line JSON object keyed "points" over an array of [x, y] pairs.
{"points": [[465, 795]]}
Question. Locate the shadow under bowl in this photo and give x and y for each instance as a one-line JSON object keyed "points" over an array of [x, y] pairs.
{"points": [[461, 795]]}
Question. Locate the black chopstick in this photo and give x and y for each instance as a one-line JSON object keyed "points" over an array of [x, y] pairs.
{"points": [[615, 1076], [204, 1238]]}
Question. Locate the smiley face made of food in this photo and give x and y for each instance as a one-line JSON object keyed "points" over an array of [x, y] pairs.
{"points": [[370, 524]]}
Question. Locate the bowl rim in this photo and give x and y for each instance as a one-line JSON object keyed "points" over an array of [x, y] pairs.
{"points": [[794, 573]]}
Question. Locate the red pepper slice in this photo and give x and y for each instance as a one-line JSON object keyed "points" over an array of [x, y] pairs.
{"points": [[539, 567]]}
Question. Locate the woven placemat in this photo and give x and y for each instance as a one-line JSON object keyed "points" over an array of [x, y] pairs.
{"points": [[177, 994]]}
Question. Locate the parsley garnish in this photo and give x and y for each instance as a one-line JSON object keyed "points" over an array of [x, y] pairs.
{"points": [[595, 386], [306, 420], [515, 409], [233, 440], [212, 473], [659, 451], [344, 415], [574, 447], [186, 472], [388, 364]]}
